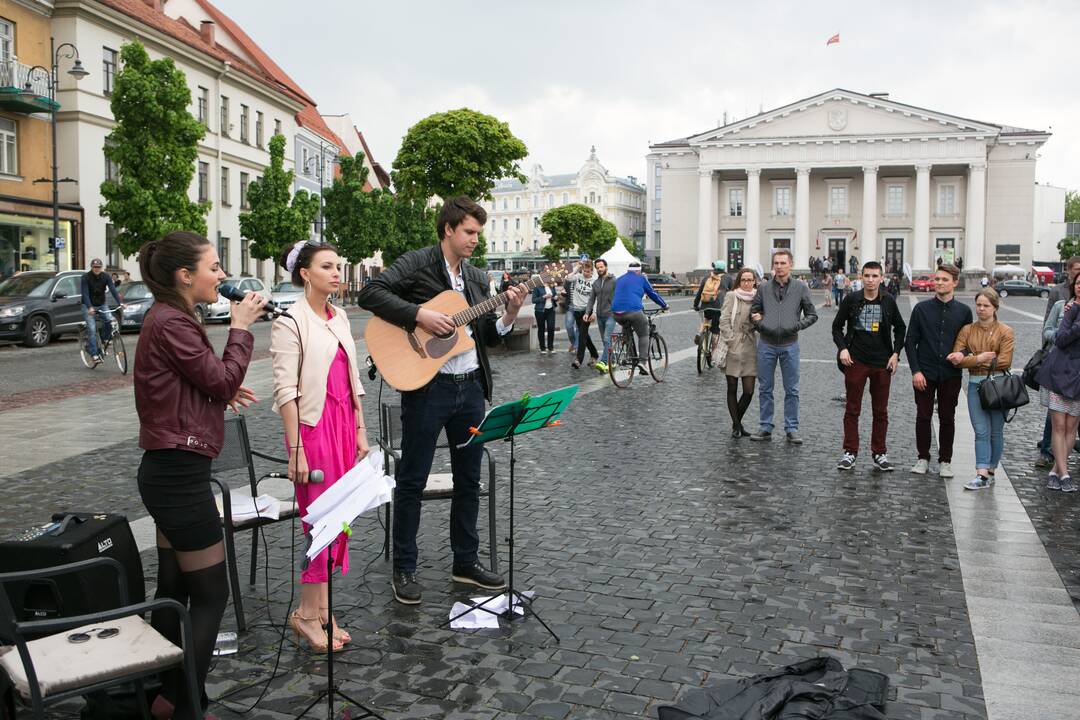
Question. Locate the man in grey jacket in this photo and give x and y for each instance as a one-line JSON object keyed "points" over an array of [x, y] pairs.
{"points": [[599, 309], [780, 310]]}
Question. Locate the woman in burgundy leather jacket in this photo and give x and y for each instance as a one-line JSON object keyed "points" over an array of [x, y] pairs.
{"points": [[181, 390]]}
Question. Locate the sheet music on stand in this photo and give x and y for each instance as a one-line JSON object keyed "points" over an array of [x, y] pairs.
{"points": [[362, 488]]}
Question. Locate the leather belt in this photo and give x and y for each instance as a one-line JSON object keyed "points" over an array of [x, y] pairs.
{"points": [[460, 377]]}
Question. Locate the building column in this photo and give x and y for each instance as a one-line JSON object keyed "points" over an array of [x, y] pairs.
{"points": [[706, 228], [752, 242], [802, 217], [920, 257], [975, 225], [869, 226]]}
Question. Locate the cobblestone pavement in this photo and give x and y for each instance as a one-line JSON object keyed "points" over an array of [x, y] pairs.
{"points": [[663, 553]]}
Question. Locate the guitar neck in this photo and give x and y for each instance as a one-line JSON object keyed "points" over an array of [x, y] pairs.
{"points": [[467, 316]]}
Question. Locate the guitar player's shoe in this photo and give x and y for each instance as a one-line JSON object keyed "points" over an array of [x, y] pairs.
{"points": [[477, 574]]}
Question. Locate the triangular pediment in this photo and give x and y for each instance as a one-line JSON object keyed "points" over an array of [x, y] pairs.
{"points": [[843, 114]]}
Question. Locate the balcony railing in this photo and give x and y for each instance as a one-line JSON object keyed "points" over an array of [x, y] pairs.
{"points": [[13, 74]]}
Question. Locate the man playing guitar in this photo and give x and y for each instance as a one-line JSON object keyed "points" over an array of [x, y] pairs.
{"points": [[454, 400]]}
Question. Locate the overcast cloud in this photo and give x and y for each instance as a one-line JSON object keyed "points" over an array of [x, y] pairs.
{"points": [[566, 75]]}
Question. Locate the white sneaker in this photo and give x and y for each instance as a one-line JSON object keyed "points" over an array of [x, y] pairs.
{"points": [[945, 470], [920, 467]]}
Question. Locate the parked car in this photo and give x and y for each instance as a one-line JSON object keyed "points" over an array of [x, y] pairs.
{"points": [[137, 300], [36, 307], [221, 309], [1021, 287], [285, 294], [664, 283], [923, 283]]}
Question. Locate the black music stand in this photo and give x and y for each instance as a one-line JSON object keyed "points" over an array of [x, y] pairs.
{"points": [[332, 690], [506, 422]]}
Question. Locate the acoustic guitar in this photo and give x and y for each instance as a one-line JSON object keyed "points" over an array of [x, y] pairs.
{"points": [[409, 360]]}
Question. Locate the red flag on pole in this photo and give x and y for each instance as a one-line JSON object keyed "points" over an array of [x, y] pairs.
{"points": [[835, 39]]}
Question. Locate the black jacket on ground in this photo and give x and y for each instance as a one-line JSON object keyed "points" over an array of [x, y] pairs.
{"points": [[395, 295], [819, 689]]}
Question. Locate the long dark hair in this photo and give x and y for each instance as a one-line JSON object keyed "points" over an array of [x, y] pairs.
{"points": [[307, 253], [160, 259], [1072, 290]]}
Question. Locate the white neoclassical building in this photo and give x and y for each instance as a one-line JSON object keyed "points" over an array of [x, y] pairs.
{"points": [[845, 174], [513, 229]]}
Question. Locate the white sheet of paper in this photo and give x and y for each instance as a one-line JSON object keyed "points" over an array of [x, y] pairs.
{"points": [[479, 619], [245, 508], [362, 488]]}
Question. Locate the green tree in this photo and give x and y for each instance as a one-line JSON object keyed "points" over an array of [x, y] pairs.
{"points": [[413, 227], [356, 220], [570, 226], [155, 146], [479, 255], [277, 218], [460, 152], [1069, 246], [631, 246], [1072, 206], [602, 239]]}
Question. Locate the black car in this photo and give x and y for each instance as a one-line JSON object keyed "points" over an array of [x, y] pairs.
{"points": [[137, 300], [1021, 287], [35, 307]]}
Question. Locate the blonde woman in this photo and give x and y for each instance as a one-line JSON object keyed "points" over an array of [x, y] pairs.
{"points": [[317, 391], [737, 335], [983, 346]]}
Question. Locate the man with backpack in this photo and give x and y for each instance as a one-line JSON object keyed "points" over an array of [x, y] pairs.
{"points": [[868, 331]]}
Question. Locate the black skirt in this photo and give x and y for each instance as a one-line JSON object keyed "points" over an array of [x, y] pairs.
{"points": [[175, 487]]}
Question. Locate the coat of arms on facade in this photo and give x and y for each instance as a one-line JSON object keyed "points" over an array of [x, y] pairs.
{"points": [[838, 119]]}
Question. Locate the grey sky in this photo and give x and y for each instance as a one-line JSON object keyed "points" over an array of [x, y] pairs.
{"points": [[566, 75]]}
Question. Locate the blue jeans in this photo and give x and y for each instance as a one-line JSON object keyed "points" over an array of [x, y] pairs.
{"points": [[1045, 448], [100, 311], [571, 328], [767, 358], [606, 323], [989, 426], [455, 406]]}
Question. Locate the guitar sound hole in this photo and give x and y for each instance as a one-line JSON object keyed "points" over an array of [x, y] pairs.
{"points": [[447, 335]]}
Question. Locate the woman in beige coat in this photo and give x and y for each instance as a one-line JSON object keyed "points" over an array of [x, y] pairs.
{"points": [[737, 335]]}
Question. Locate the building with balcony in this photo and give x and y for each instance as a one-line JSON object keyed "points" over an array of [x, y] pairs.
{"points": [[513, 234], [26, 209], [843, 174]]}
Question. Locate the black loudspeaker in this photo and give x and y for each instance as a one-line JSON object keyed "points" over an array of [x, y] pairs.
{"points": [[72, 537]]}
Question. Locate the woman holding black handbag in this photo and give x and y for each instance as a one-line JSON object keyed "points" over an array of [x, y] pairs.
{"points": [[1059, 390], [984, 347]]}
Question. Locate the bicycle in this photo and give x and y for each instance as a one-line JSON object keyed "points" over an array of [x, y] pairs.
{"points": [[624, 354], [114, 344], [707, 341]]}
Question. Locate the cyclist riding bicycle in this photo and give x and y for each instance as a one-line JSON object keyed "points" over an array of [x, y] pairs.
{"points": [[710, 294], [94, 285], [629, 311]]}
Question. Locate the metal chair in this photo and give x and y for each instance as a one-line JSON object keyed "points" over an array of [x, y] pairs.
{"points": [[236, 454], [54, 667], [440, 486]]}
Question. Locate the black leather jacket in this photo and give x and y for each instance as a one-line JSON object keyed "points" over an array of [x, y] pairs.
{"points": [[395, 295]]}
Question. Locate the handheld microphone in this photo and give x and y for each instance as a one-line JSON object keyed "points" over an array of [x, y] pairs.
{"points": [[315, 476], [230, 292]]}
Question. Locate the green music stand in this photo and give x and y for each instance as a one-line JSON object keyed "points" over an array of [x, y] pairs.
{"points": [[506, 422]]}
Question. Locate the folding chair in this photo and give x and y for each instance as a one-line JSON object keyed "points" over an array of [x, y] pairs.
{"points": [[440, 486], [56, 666], [236, 454]]}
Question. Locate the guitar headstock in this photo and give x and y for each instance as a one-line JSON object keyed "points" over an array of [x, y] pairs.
{"points": [[553, 273]]}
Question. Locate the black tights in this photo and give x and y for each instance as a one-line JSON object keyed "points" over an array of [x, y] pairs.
{"points": [[737, 406], [198, 580]]}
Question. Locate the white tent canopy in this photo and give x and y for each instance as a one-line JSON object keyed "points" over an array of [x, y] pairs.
{"points": [[1009, 270], [618, 259]]}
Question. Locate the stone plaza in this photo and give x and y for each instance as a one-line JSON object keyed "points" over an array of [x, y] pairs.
{"points": [[664, 554]]}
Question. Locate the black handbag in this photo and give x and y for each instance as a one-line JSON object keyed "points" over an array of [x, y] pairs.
{"points": [[1004, 392], [1033, 365]]}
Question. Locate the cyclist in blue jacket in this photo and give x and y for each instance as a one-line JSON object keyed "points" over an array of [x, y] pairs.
{"points": [[628, 308]]}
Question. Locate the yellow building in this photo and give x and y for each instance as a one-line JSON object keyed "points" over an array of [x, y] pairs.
{"points": [[26, 146]]}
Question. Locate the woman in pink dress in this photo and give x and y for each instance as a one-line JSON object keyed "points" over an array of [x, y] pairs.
{"points": [[317, 391]]}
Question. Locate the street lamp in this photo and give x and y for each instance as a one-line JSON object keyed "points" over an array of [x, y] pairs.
{"points": [[77, 71]]}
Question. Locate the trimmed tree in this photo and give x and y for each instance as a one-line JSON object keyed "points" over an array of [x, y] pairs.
{"points": [[1072, 206], [277, 218], [570, 226], [154, 146], [460, 152], [1069, 246], [356, 220]]}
